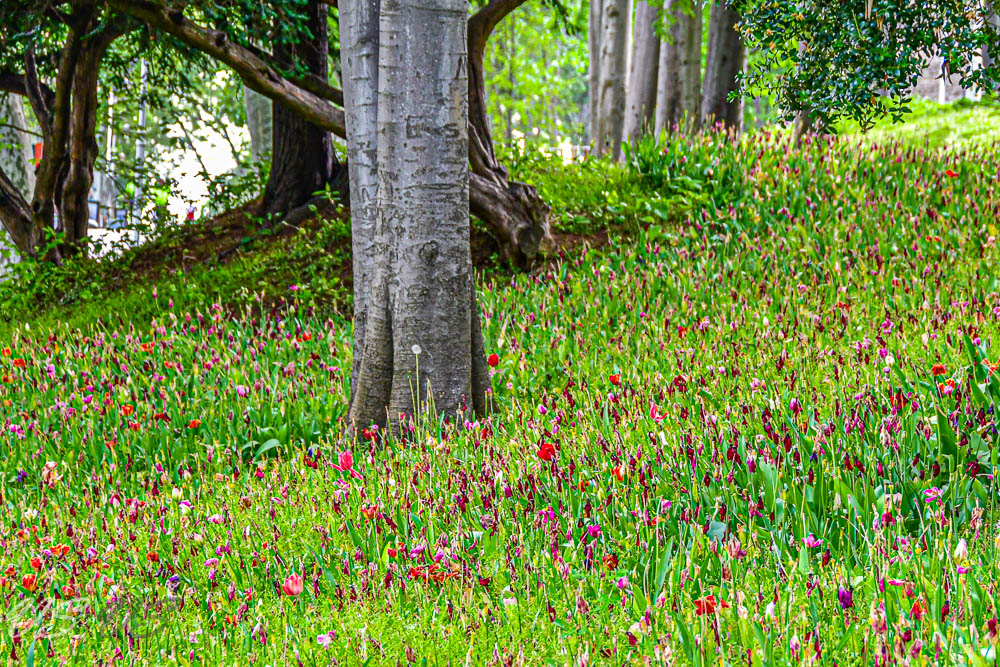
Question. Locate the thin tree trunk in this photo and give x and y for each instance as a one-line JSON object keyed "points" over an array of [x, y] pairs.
{"points": [[614, 58], [726, 56], [359, 39], [803, 120], [594, 34], [56, 130], [75, 206], [16, 160], [993, 27], [678, 97], [640, 96], [259, 123], [302, 161], [420, 329]]}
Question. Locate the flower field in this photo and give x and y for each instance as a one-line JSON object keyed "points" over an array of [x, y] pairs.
{"points": [[765, 434]]}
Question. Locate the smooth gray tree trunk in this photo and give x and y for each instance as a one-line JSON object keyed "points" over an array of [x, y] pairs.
{"points": [[678, 90], [594, 67], [726, 57], [640, 96], [421, 342], [16, 152], [993, 25], [615, 24], [359, 39], [16, 156], [259, 121]]}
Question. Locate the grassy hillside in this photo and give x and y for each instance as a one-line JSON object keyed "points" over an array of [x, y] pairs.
{"points": [[955, 125], [760, 426]]}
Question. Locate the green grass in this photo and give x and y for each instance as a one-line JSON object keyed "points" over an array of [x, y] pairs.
{"points": [[757, 431], [958, 124]]}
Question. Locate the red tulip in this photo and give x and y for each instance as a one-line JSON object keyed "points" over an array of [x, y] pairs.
{"points": [[493, 360], [547, 451], [938, 369], [616, 379], [707, 605], [950, 174]]}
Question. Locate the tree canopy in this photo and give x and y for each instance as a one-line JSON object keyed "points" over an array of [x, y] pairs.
{"points": [[860, 59]]}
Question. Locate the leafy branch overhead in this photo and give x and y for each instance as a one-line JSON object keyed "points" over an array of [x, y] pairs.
{"points": [[860, 59]]}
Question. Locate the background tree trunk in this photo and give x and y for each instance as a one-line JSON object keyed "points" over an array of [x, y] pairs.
{"points": [[74, 208], [678, 90], [259, 123], [594, 34], [640, 96], [420, 340], [359, 49], [615, 23], [726, 57], [16, 154], [993, 25], [302, 161]]}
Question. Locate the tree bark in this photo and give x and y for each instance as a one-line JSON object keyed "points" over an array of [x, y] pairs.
{"points": [[259, 123], [594, 68], [726, 56], [302, 159], [74, 208], [420, 330], [678, 91], [359, 52], [640, 96], [615, 23]]}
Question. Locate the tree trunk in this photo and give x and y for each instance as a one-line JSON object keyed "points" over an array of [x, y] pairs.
{"points": [[302, 159], [359, 52], [678, 91], [594, 34], [56, 129], [74, 209], [640, 97], [992, 25], [614, 53], [16, 154], [726, 57], [803, 120], [420, 338], [259, 123]]}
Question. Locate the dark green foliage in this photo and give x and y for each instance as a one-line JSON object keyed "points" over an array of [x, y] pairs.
{"points": [[859, 59]]}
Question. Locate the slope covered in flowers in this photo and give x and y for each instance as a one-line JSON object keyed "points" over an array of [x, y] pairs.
{"points": [[766, 433]]}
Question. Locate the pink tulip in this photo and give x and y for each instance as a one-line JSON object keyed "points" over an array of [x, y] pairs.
{"points": [[292, 585], [346, 464]]}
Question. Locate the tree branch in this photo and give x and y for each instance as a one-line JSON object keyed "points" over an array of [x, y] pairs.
{"points": [[482, 23], [251, 68], [16, 85], [15, 215]]}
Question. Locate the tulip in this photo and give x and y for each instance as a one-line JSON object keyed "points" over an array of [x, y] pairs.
{"points": [[292, 585]]}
